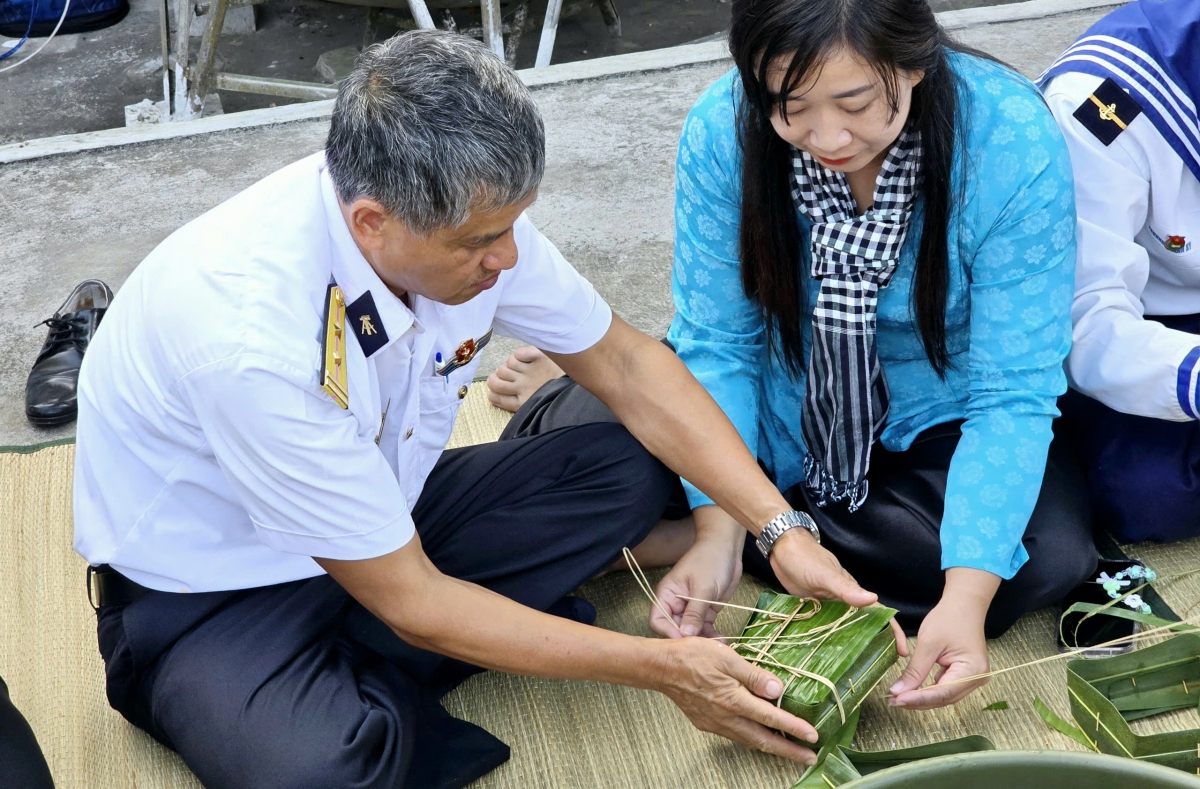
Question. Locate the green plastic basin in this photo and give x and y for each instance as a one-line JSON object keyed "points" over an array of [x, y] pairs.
{"points": [[1027, 770]]}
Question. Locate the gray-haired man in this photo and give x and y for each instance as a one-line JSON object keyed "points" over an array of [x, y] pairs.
{"points": [[288, 568]]}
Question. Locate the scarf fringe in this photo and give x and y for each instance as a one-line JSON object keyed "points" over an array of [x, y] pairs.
{"points": [[825, 488]]}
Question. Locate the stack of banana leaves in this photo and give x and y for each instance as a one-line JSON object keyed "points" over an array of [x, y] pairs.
{"points": [[828, 654], [1107, 693], [837, 763]]}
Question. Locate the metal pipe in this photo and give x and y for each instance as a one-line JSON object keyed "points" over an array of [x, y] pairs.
{"points": [[164, 13], [421, 14], [206, 58], [183, 19], [549, 31], [493, 36], [265, 86]]}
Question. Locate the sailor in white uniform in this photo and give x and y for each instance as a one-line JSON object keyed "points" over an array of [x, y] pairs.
{"points": [[288, 569], [1125, 97]]}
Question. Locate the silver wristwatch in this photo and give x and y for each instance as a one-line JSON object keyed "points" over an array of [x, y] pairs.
{"points": [[782, 523]]}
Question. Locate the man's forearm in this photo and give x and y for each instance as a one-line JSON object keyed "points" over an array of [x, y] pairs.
{"points": [[462, 620], [666, 408]]}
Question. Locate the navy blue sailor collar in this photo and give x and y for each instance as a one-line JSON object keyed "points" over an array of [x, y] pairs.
{"points": [[373, 313], [1149, 49]]}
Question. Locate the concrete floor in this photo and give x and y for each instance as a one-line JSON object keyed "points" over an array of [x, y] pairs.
{"points": [[606, 200]]}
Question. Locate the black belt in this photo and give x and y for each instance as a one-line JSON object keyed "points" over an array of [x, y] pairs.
{"points": [[106, 586]]}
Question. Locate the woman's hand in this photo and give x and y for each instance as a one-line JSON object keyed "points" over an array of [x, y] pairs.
{"points": [[710, 570], [951, 637]]}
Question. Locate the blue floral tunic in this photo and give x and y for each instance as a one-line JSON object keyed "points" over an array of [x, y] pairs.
{"points": [[1008, 324]]}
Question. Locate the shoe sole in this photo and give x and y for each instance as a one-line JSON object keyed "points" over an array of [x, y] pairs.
{"points": [[51, 421]]}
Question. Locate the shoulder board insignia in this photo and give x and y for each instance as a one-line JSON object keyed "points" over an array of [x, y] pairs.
{"points": [[366, 323], [1108, 111], [333, 343], [464, 354]]}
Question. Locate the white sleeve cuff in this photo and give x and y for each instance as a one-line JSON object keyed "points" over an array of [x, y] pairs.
{"points": [[390, 537]]}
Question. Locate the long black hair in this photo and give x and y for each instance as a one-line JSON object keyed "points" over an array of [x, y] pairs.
{"points": [[892, 36]]}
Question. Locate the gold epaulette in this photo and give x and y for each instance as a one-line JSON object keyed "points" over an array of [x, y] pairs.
{"points": [[333, 361]]}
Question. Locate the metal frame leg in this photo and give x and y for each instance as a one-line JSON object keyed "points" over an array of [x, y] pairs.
{"points": [[493, 32], [206, 59], [420, 14], [183, 20], [164, 16], [372, 28], [520, 19], [549, 31], [611, 18]]}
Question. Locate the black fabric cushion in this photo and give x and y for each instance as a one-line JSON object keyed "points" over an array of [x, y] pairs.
{"points": [[22, 765]]}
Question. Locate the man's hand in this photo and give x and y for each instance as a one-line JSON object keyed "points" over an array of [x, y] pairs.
{"points": [[807, 570], [718, 690], [951, 637], [710, 570], [723, 694]]}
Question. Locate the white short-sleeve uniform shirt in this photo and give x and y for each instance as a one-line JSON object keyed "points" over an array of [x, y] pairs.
{"points": [[1139, 254], [210, 457]]}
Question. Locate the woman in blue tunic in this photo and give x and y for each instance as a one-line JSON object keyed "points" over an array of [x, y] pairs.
{"points": [[874, 259]]}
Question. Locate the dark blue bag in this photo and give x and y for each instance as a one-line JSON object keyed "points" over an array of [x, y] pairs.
{"points": [[83, 17]]}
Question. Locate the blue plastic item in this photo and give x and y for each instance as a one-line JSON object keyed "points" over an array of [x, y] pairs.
{"points": [[37, 18]]}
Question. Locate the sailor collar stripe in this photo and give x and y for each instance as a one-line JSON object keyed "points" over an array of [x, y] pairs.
{"points": [[1108, 111], [1169, 108]]}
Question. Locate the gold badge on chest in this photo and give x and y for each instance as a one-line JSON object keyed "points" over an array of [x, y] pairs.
{"points": [[464, 354]]}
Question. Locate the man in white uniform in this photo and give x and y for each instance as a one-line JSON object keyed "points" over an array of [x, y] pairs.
{"points": [[289, 571], [1125, 96]]}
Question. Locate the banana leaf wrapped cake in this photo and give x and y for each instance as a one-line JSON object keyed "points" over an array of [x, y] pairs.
{"points": [[828, 654]]}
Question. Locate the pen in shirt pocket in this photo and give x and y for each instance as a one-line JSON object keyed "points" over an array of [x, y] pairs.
{"points": [[437, 363]]}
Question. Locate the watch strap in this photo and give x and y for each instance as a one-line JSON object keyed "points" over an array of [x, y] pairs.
{"points": [[783, 523]]}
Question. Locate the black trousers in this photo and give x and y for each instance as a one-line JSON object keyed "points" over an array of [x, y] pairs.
{"points": [[1143, 474], [296, 685], [22, 765], [892, 545]]}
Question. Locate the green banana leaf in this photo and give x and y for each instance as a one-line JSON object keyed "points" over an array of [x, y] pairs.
{"points": [[1107, 693], [851, 658], [1061, 725], [837, 763], [1110, 609]]}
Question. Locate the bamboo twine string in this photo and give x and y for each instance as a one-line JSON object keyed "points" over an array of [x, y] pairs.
{"points": [[776, 615], [765, 658], [774, 636], [1074, 652], [800, 671], [644, 582]]}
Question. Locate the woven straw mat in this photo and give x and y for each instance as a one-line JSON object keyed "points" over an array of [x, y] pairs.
{"points": [[565, 735]]}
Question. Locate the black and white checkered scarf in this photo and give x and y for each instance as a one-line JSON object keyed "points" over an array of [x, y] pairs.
{"points": [[846, 400]]}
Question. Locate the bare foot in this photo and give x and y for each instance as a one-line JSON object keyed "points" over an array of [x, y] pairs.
{"points": [[519, 377]]}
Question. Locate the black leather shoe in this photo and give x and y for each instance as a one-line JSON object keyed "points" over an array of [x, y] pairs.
{"points": [[50, 390]]}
